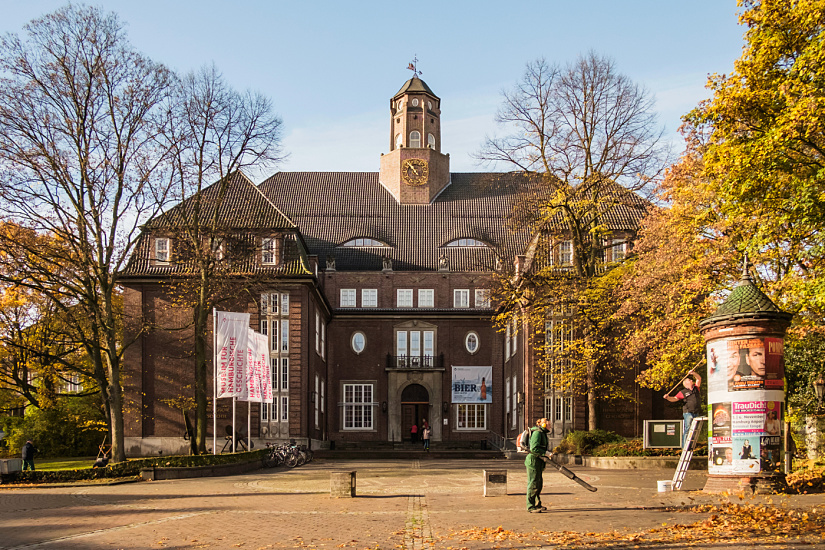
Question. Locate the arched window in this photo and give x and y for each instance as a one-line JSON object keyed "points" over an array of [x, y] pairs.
{"points": [[363, 242], [431, 141], [466, 242], [415, 139], [398, 141]]}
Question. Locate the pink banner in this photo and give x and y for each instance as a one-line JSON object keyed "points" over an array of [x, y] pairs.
{"points": [[231, 343]]}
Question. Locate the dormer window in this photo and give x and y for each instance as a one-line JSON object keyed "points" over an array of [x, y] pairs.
{"points": [[363, 242], [415, 139], [466, 242], [162, 249], [270, 250]]}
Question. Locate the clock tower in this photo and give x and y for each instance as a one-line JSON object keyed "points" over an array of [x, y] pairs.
{"points": [[415, 171]]}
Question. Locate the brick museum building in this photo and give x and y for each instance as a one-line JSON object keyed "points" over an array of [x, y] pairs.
{"points": [[374, 291]]}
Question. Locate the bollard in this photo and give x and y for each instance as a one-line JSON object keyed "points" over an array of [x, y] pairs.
{"points": [[342, 484], [495, 483]]}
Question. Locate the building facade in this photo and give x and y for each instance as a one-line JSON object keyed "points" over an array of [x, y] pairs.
{"points": [[374, 291]]}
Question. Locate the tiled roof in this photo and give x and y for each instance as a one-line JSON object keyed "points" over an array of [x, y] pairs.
{"points": [[331, 208], [746, 301], [243, 207]]}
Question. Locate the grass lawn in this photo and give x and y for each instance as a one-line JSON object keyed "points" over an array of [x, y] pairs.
{"points": [[71, 463]]}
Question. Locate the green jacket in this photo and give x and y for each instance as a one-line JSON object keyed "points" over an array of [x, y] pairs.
{"points": [[538, 448]]}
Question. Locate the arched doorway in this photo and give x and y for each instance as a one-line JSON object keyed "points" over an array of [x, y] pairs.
{"points": [[415, 407]]}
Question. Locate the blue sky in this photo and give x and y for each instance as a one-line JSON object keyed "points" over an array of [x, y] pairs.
{"points": [[332, 67]]}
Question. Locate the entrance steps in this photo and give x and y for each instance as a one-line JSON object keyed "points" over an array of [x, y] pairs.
{"points": [[400, 450]]}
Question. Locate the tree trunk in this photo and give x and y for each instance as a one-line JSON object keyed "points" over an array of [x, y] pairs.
{"points": [[201, 395]]}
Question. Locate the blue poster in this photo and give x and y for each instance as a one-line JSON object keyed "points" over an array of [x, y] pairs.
{"points": [[472, 384]]}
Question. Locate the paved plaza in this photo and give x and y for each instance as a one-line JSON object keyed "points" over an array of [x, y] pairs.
{"points": [[400, 504]]}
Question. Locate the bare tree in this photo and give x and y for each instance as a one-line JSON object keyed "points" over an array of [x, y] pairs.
{"points": [[81, 163], [215, 132], [586, 140]]}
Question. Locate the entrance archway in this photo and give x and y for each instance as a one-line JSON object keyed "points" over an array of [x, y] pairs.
{"points": [[415, 407]]}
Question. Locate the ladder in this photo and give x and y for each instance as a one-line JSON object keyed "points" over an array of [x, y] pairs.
{"points": [[687, 451]]}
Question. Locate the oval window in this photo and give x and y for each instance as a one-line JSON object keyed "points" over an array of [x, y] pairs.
{"points": [[415, 103], [400, 105], [359, 342], [471, 342], [430, 105]]}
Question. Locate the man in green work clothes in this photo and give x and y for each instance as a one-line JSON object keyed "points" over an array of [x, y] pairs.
{"points": [[535, 466]]}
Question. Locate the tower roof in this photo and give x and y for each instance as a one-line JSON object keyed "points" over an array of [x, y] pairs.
{"points": [[415, 84], [746, 302]]}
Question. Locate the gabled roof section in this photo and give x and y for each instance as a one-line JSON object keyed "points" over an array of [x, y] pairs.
{"points": [[413, 85], [243, 207]]}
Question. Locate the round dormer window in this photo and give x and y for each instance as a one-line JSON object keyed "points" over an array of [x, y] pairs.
{"points": [[415, 103], [430, 105]]}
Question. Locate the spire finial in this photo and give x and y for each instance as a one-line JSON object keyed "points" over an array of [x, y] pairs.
{"points": [[413, 66], [746, 267]]}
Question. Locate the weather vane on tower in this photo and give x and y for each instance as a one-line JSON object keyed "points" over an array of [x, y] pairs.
{"points": [[414, 66]]}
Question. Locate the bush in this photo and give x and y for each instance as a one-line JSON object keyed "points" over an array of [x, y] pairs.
{"points": [[583, 442], [72, 427], [132, 468], [635, 447]]}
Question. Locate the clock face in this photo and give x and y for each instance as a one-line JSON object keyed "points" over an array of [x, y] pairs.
{"points": [[415, 171]]}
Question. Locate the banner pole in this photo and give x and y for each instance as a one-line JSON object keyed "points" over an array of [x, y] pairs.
{"points": [[234, 430], [214, 383]]}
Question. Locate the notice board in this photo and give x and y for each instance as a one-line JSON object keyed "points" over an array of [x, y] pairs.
{"points": [[663, 434]]}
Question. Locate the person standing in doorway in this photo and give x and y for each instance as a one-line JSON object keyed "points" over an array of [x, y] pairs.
{"points": [[692, 404], [425, 434], [535, 466], [424, 426], [29, 451], [414, 434]]}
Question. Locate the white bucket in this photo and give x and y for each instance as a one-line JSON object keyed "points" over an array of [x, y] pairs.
{"points": [[664, 486]]}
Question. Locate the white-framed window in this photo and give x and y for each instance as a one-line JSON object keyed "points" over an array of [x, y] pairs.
{"points": [[364, 242], [515, 403], [461, 297], [317, 332], [415, 139], [358, 341], [73, 384], [284, 335], [507, 351], [162, 249], [471, 416], [218, 249], [471, 342], [563, 409], [426, 297], [284, 303], [270, 248], [274, 410], [284, 408], [323, 395], [431, 141], [415, 102], [416, 347], [617, 251], [323, 339], [273, 365], [265, 411], [404, 297], [566, 253], [515, 336], [317, 404], [507, 396], [482, 298], [475, 243], [284, 373], [369, 297], [358, 406], [348, 297], [398, 139]]}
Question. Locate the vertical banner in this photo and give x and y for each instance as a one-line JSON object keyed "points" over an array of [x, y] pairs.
{"points": [[746, 383], [267, 396], [231, 343], [472, 384], [258, 373]]}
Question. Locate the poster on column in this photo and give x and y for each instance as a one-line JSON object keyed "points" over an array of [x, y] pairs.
{"points": [[231, 343], [745, 391], [472, 384]]}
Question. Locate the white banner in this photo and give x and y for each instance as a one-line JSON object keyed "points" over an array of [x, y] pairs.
{"points": [[231, 343], [472, 384], [266, 371], [258, 374]]}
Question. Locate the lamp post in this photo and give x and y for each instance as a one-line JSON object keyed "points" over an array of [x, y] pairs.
{"points": [[819, 389]]}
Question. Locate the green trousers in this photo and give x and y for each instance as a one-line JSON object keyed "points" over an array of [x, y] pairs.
{"points": [[534, 484]]}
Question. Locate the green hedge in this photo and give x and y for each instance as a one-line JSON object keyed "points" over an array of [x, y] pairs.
{"points": [[132, 468]]}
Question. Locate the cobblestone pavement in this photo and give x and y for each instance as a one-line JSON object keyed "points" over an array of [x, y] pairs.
{"points": [[407, 504]]}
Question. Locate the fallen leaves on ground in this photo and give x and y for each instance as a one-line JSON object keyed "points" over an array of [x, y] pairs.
{"points": [[727, 523]]}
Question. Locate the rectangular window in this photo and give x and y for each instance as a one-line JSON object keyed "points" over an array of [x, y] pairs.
{"points": [[273, 364], [616, 253], [482, 298], [429, 348], [317, 398], [73, 384], [323, 339], [461, 297], [265, 411], [348, 297], [317, 332], [218, 249], [507, 396], [471, 416], [565, 253], [507, 341], [284, 408], [515, 402], [284, 373], [162, 249], [285, 303], [515, 336], [284, 335], [401, 346], [404, 297], [273, 336], [358, 406], [323, 395], [369, 297], [426, 297], [269, 250], [274, 409]]}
